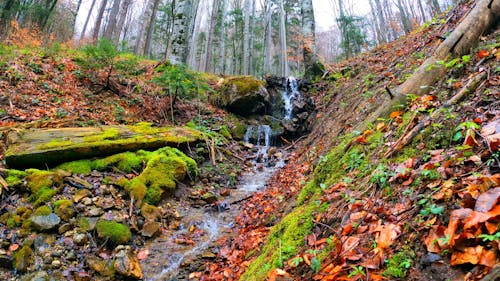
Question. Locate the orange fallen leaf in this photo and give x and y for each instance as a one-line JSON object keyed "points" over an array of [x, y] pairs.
{"points": [[482, 54], [478, 217], [395, 114], [13, 247], [387, 235], [195, 275], [487, 200]]}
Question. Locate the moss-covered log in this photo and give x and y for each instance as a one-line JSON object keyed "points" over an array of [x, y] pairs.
{"points": [[47, 147]]}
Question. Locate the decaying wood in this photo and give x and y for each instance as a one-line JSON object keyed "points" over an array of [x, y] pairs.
{"points": [[406, 138]]}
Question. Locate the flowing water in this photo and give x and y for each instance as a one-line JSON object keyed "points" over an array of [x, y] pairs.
{"points": [[291, 92], [201, 227]]}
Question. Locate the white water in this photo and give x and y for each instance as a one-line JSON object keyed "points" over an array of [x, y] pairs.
{"points": [[291, 92], [260, 136]]}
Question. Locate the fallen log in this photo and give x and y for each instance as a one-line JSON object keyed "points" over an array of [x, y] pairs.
{"points": [[46, 147]]}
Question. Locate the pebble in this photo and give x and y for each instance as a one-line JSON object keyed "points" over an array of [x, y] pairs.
{"points": [[95, 211], [56, 264]]}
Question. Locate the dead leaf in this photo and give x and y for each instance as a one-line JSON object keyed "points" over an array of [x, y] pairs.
{"points": [[432, 239], [478, 217], [395, 114], [195, 275], [487, 200], [387, 235], [482, 54], [455, 217]]}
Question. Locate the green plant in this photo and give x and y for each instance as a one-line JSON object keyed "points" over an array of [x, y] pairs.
{"points": [[428, 207], [102, 54], [179, 82], [381, 176], [354, 160], [398, 264], [461, 128], [490, 237], [357, 270]]}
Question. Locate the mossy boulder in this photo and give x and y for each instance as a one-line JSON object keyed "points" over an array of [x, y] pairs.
{"points": [[41, 147], [64, 209], [244, 95], [42, 185], [14, 178], [114, 232]]}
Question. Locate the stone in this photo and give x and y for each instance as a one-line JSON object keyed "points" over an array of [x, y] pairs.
{"points": [[150, 212], [80, 194], [55, 264], [45, 223], [95, 211], [38, 276], [151, 229], [86, 201], [65, 228], [127, 264], [104, 268], [209, 197], [244, 95], [80, 239]]}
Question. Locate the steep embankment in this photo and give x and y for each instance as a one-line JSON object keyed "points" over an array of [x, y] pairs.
{"points": [[352, 204]]}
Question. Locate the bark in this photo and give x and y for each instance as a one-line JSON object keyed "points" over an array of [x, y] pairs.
{"points": [[403, 14], [75, 14], [151, 27], [82, 35], [222, 38], [110, 27], [376, 23], [180, 32], [252, 39], [246, 37], [268, 39], [283, 46], [422, 11], [211, 35], [121, 21], [140, 38], [312, 64], [192, 16], [100, 15]]}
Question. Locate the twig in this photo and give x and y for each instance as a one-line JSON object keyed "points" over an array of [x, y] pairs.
{"points": [[389, 92]]}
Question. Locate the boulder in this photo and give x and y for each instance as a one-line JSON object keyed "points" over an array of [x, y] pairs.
{"points": [[45, 223], [244, 95]]}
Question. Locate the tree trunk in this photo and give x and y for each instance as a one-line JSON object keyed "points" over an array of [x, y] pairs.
{"points": [[75, 14], [268, 40], [422, 11], [246, 36], [192, 16], [121, 21], [82, 35], [283, 46], [140, 38], [252, 39], [151, 28], [222, 38], [180, 32], [376, 23], [382, 23], [97, 26], [110, 27], [405, 21], [8, 11], [484, 15], [211, 34]]}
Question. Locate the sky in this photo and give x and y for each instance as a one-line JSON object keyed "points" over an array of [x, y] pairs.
{"points": [[324, 13]]}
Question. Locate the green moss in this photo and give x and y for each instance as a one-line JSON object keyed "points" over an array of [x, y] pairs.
{"points": [[83, 224], [115, 232], [137, 189], [238, 129], [399, 264], [146, 128], [42, 195], [83, 167], [107, 134], [23, 258], [175, 153], [38, 179], [64, 209], [54, 144], [153, 195], [126, 162], [42, 211], [225, 132], [14, 178], [244, 84], [284, 241]]}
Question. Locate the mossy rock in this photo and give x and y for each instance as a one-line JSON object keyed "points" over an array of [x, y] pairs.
{"points": [[64, 209], [42, 185], [42, 211], [41, 147], [14, 178], [114, 232], [150, 212], [23, 258], [243, 95]]}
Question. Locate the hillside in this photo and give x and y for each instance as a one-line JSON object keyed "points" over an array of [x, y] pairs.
{"points": [[410, 195]]}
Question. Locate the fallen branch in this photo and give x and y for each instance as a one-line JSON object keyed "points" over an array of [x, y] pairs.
{"points": [[408, 137]]}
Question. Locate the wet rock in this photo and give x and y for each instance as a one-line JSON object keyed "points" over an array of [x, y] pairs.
{"points": [[80, 194], [127, 264], [44, 223], [430, 258], [38, 276], [151, 229]]}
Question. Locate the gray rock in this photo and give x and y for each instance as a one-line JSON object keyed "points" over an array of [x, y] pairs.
{"points": [[127, 264], [44, 223], [95, 211], [80, 239]]}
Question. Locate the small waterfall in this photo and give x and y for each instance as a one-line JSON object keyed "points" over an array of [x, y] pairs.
{"points": [[290, 93], [260, 136]]}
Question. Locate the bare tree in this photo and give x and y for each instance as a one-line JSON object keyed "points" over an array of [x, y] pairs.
{"points": [[100, 15]]}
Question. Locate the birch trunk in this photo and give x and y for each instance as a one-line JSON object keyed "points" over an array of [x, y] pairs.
{"points": [[283, 46], [268, 39], [211, 35], [252, 39], [222, 38]]}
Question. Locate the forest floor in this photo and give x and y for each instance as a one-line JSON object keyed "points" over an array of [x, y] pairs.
{"points": [[348, 205]]}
